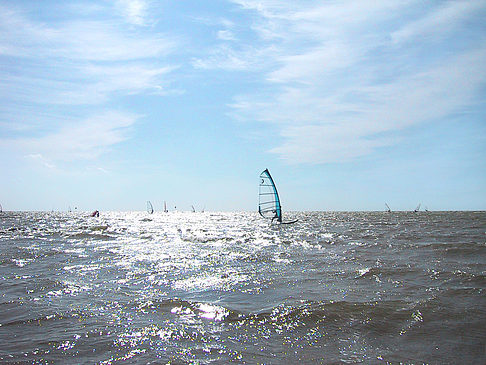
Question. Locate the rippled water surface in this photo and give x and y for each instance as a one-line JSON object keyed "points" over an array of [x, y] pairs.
{"points": [[216, 288]]}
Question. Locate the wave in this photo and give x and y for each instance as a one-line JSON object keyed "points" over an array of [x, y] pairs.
{"points": [[12, 315], [91, 236], [305, 312]]}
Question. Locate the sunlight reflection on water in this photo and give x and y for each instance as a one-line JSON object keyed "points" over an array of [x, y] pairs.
{"points": [[221, 287]]}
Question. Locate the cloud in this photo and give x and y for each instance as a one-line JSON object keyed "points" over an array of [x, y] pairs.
{"points": [[439, 21], [37, 157], [81, 140], [304, 67], [71, 61], [342, 79], [130, 79], [77, 40], [134, 11], [230, 59], [101, 41], [226, 35], [84, 84], [352, 122]]}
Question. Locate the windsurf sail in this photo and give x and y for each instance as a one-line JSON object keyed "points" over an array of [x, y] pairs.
{"points": [[193, 209], [387, 208], [1, 208], [417, 209], [165, 207], [150, 208], [269, 201]]}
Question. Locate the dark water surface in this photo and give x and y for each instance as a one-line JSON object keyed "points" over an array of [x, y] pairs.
{"points": [[216, 288]]}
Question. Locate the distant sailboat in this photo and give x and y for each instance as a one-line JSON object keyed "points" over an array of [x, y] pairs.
{"points": [[150, 208], [193, 209], [269, 202], [388, 208], [165, 207], [1, 208], [417, 209]]}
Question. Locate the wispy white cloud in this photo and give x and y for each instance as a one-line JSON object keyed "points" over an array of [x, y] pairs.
{"points": [[135, 11], [103, 170], [304, 67], [341, 81], [439, 21], [227, 58], [101, 41], [84, 139], [37, 157], [226, 35], [85, 84], [130, 79], [73, 61], [330, 130], [79, 40]]}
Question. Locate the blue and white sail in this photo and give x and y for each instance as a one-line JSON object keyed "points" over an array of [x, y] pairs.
{"points": [[150, 208], [269, 201]]}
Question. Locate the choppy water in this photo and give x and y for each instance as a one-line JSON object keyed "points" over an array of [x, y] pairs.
{"points": [[228, 287]]}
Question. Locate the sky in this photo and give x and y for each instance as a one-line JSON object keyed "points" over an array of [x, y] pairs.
{"points": [[350, 104]]}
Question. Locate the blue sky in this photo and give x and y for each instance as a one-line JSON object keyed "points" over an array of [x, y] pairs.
{"points": [[349, 104]]}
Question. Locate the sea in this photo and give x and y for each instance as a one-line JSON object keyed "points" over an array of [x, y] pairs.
{"points": [[233, 288]]}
